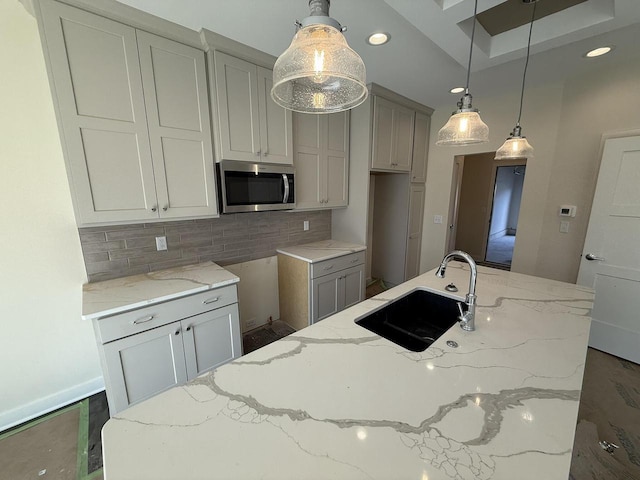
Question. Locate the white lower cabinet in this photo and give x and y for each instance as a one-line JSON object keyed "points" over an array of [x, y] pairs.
{"points": [[139, 364], [335, 292], [310, 292]]}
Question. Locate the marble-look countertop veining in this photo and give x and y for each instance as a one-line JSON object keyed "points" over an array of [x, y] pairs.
{"points": [[337, 401], [321, 250], [101, 299]]}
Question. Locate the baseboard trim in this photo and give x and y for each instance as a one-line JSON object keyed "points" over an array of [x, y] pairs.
{"points": [[48, 404], [615, 340]]}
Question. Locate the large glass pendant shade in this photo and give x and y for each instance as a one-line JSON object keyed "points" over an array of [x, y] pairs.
{"points": [[515, 147], [319, 73], [463, 128]]}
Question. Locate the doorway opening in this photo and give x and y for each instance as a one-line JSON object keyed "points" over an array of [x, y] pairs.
{"points": [[484, 207], [507, 194]]}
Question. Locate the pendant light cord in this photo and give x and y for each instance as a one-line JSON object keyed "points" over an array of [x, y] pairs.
{"points": [[526, 63], [473, 32]]}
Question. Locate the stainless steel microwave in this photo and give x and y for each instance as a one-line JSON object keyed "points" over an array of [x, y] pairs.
{"points": [[255, 187]]}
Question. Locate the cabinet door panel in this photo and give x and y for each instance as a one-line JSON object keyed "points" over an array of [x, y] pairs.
{"points": [[325, 296], [97, 84], [174, 81], [383, 131], [308, 178], [337, 167], [420, 148], [211, 339], [237, 95], [275, 123], [353, 284], [403, 137], [414, 233], [144, 364]]}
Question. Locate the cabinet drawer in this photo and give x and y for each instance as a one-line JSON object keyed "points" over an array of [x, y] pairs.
{"points": [[136, 321], [339, 263]]}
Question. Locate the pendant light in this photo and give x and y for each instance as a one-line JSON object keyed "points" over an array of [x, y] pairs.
{"points": [[465, 127], [319, 72], [517, 146]]}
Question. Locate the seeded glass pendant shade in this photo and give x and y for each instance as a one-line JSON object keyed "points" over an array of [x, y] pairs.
{"points": [[517, 146], [465, 127], [319, 72]]}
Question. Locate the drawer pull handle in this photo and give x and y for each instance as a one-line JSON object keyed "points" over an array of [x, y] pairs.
{"points": [[143, 320], [355, 260], [211, 300], [329, 267]]}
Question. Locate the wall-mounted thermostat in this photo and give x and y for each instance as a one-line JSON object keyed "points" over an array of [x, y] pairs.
{"points": [[567, 210]]}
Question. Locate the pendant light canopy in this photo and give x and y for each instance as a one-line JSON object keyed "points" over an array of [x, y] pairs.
{"points": [[465, 127], [319, 72], [517, 146]]}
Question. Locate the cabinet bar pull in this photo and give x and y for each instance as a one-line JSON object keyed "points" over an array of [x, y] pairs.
{"points": [[138, 321], [355, 260], [211, 300], [329, 267]]}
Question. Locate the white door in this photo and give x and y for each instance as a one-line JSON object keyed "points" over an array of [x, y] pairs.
{"points": [[175, 85], [211, 339], [611, 256], [143, 365]]}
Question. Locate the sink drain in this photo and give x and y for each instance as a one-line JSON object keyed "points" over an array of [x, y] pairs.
{"points": [[452, 344]]}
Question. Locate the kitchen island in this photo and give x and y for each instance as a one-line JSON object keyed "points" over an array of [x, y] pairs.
{"points": [[337, 401]]}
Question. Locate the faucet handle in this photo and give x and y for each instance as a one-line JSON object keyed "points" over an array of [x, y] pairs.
{"points": [[461, 316]]}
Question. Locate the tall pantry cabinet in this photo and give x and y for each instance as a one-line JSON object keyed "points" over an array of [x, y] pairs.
{"points": [[133, 109]]}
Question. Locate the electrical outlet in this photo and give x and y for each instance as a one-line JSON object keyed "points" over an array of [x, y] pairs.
{"points": [[437, 219], [161, 243], [564, 227], [306, 225]]}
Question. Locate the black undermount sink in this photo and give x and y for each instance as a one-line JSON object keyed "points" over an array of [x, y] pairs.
{"points": [[414, 321]]}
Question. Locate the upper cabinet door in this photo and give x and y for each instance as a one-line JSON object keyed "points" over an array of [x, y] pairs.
{"points": [[337, 167], [238, 118], [420, 148], [97, 85], [276, 143], [392, 136], [309, 161], [175, 88]]}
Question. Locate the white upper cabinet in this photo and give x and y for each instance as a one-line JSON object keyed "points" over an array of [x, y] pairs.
{"points": [[321, 159], [250, 125], [393, 126], [134, 115], [420, 148], [175, 87]]}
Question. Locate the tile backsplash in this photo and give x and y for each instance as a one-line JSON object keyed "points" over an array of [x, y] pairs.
{"points": [[122, 250]]}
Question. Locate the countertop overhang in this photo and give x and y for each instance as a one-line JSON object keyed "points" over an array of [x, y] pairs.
{"points": [[337, 401]]}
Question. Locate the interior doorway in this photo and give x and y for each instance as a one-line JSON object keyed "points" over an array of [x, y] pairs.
{"points": [[484, 208], [507, 194]]}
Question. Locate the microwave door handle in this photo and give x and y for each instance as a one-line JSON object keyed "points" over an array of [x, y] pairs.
{"points": [[285, 179]]}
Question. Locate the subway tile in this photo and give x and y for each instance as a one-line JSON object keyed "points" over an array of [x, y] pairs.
{"points": [[102, 247], [188, 228], [132, 252], [98, 267], [180, 262], [96, 257], [208, 250], [155, 257], [89, 237], [135, 233], [118, 273]]}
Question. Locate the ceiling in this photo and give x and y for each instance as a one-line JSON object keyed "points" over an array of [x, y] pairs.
{"points": [[430, 42]]}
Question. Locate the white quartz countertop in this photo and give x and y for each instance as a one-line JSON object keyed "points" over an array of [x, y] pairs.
{"points": [[101, 299], [337, 401], [322, 250]]}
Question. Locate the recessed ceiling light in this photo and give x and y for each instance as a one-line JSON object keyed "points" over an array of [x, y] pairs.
{"points": [[457, 90], [378, 38], [596, 52]]}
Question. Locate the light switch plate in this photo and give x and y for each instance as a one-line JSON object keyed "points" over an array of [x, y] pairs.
{"points": [[437, 219], [161, 243], [564, 227], [306, 225]]}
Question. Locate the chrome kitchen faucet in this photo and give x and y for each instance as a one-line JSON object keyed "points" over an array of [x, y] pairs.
{"points": [[466, 319]]}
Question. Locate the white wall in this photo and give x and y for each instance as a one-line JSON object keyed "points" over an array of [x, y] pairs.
{"points": [[49, 356], [564, 123]]}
